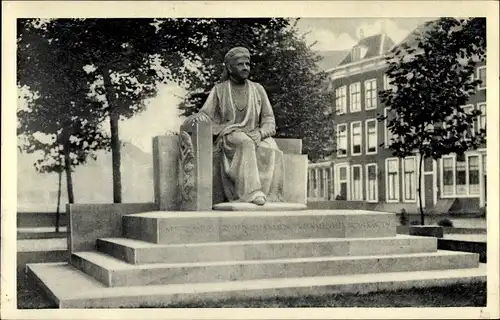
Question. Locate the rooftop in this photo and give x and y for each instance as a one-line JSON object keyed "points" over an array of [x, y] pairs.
{"points": [[373, 46]]}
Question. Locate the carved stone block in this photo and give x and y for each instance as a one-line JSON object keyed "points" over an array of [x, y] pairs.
{"points": [[195, 166]]}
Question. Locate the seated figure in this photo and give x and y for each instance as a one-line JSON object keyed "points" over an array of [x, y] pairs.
{"points": [[250, 163]]}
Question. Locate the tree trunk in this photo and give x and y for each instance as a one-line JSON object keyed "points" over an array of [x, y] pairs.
{"points": [[115, 139], [116, 159], [58, 217], [69, 179], [420, 169]]}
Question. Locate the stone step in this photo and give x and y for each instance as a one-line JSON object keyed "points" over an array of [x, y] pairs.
{"points": [[141, 252], [171, 227], [59, 281], [117, 273]]}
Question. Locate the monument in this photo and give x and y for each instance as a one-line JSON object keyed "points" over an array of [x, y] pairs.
{"points": [[248, 161], [223, 226]]}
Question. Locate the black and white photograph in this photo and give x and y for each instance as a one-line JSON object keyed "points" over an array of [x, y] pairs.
{"points": [[255, 156]]}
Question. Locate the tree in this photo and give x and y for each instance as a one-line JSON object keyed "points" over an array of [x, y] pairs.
{"points": [[124, 60], [286, 67], [431, 82], [55, 115], [47, 164]]}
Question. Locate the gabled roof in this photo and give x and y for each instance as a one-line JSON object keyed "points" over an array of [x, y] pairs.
{"points": [[375, 45], [330, 59]]}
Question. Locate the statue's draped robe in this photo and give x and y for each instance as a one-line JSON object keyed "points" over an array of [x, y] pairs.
{"points": [[246, 170]]}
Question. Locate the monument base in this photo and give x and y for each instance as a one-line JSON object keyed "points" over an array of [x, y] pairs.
{"points": [[59, 281], [165, 257]]}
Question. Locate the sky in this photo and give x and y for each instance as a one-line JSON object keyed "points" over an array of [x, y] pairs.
{"points": [[343, 33], [161, 114]]}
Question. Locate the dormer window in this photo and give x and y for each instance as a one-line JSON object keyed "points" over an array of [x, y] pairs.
{"points": [[358, 52]]}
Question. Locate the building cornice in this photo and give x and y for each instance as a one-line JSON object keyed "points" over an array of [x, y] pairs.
{"points": [[351, 64], [357, 67]]}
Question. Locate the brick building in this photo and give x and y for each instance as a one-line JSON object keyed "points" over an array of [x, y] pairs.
{"points": [[362, 171]]}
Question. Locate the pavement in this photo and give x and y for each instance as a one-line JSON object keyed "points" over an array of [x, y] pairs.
{"points": [[40, 229], [41, 245], [466, 237]]}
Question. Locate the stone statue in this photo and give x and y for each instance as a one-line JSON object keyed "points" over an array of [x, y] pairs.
{"points": [[251, 164]]}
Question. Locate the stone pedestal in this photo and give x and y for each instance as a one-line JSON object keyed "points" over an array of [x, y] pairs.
{"points": [[185, 172]]}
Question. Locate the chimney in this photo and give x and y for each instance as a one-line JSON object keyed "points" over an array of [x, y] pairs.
{"points": [[361, 34]]}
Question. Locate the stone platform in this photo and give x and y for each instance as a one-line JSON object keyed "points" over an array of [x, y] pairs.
{"points": [[195, 227], [166, 257]]}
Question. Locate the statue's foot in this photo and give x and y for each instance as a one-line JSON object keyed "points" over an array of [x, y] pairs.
{"points": [[260, 201]]}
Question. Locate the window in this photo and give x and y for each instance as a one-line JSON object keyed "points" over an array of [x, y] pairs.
{"points": [[341, 186], [355, 97], [356, 138], [388, 133], [356, 53], [357, 183], [448, 182], [316, 183], [482, 117], [371, 182], [312, 182], [392, 179], [481, 75], [371, 94], [371, 136], [484, 178], [485, 164], [409, 179], [460, 175], [473, 167], [341, 140], [341, 100], [321, 188], [329, 182]]}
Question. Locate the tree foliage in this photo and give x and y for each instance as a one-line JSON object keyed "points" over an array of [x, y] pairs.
{"points": [[111, 66], [55, 116], [286, 67], [431, 81]]}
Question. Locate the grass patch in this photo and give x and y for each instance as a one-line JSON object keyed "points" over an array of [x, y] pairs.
{"points": [[459, 295], [30, 296]]}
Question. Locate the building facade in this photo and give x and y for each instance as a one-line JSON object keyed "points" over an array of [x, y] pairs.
{"points": [[362, 170]]}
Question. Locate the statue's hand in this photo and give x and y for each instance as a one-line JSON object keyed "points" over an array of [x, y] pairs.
{"points": [[255, 136]]}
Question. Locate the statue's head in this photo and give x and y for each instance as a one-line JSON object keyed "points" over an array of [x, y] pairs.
{"points": [[237, 64]]}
